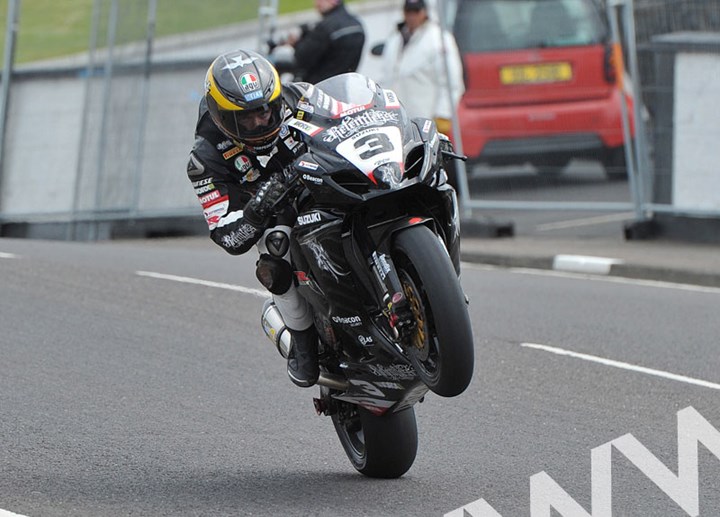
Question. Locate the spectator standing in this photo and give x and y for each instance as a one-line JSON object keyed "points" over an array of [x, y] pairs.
{"points": [[414, 66], [333, 46]]}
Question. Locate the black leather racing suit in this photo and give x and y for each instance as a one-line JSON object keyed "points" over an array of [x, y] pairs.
{"points": [[333, 46], [225, 177]]}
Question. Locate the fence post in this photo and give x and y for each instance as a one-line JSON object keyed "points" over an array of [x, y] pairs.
{"points": [[267, 16], [13, 15], [144, 102], [627, 135], [462, 182]]}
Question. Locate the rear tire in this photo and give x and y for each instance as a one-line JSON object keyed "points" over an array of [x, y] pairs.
{"points": [[377, 446], [442, 349]]}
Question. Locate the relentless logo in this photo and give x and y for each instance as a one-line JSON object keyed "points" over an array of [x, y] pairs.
{"points": [[351, 125], [304, 219], [239, 237], [394, 372]]}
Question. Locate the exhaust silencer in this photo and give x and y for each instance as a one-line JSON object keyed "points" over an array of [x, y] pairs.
{"points": [[275, 329]]}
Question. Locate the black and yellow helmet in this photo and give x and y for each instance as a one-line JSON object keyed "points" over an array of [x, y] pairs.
{"points": [[244, 98]]}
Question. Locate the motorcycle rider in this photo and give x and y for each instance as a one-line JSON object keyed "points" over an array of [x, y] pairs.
{"points": [[242, 146]]}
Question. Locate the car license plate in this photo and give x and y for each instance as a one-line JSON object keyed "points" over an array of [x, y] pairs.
{"points": [[532, 74]]}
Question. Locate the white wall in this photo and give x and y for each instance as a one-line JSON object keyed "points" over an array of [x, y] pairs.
{"points": [[696, 175]]}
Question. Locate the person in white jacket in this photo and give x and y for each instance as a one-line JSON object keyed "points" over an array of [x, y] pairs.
{"points": [[421, 68]]}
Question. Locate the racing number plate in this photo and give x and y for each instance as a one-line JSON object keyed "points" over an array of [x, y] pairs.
{"points": [[533, 74]]}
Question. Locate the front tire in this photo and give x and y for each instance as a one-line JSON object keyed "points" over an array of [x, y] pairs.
{"points": [[377, 446], [441, 348]]}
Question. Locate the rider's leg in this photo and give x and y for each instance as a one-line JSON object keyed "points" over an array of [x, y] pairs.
{"points": [[275, 273]]}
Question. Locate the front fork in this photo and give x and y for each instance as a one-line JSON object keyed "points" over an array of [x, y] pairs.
{"points": [[387, 284]]}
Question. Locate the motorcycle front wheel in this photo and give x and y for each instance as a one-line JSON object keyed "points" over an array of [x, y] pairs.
{"points": [[377, 446], [441, 347]]}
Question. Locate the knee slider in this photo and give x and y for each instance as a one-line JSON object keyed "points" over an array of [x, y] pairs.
{"points": [[274, 274]]}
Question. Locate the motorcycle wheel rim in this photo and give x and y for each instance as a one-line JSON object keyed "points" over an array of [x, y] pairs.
{"points": [[423, 347]]}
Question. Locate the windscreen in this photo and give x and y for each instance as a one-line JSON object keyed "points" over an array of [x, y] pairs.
{"points": [[496, 25]]}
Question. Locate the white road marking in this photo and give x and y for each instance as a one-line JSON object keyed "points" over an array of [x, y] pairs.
{"points": [[586, 221], [579, 276], [584, 264], [219, 285], [623, 366], [7, 256], [5, 513]]}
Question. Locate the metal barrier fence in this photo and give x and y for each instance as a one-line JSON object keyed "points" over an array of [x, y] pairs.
{"points": [[635, 24], [105, 134]]}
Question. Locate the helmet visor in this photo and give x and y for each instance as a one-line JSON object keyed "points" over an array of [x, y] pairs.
{"points": [[253, 124]]}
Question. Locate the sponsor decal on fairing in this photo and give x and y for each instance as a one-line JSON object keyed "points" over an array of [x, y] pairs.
{"points": [[305, 127], [352, 125], [394, 372], [391, 99], [323, 261], [312, 179], [381, 264], [353, 321], [310, 218], [308, 165]]}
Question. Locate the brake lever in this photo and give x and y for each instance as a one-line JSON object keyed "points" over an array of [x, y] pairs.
{"points": [[454, 156]]}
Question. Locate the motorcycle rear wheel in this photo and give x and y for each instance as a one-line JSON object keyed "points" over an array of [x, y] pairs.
{"points": [[441, 349], [377, 446]]}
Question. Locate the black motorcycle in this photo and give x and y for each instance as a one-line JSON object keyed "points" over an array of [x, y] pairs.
{"points": [[375, 250]]}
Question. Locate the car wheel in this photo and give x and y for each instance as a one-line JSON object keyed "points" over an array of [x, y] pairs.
{"points": [[614, 164]]}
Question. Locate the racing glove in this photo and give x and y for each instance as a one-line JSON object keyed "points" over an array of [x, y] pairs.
{"points": [[260, 209]]}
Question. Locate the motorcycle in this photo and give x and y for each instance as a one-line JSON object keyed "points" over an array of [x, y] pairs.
{"points": [[375, 250]]}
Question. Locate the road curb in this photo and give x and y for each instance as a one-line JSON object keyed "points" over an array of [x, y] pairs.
{"points": [[616, 269]]}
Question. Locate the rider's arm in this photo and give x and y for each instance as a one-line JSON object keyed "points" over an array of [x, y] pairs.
{"points": [[222, 201]]}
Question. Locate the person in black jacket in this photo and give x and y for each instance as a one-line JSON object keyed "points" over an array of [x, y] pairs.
{"points": [[333, 46], [243, 144]]}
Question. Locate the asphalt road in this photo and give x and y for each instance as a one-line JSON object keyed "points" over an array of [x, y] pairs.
{"points": [[126, 394]]}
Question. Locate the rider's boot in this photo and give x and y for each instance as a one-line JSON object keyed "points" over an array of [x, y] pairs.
{"points": [[302, 361]]}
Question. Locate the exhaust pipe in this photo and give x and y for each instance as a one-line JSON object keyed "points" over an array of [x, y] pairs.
{"points": [[278, 333]]}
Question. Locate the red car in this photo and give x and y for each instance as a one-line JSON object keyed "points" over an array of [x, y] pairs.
{"points": [[543, 84]]}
